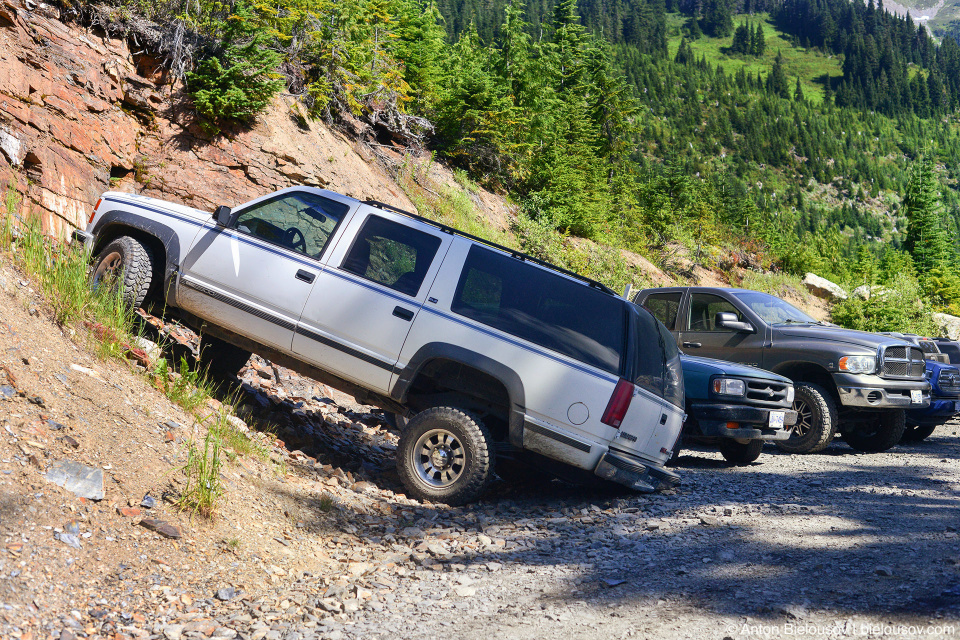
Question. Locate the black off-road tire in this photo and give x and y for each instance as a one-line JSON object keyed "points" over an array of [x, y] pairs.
{"points": [[914, 433], [878, 435], [220, 358], [738, 453], [445, 455], [127, 263], [816, 420]]}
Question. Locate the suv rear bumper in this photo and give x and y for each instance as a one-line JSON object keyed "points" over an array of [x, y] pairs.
{"points": [[877, 393], [753, 422], [628, 470]]}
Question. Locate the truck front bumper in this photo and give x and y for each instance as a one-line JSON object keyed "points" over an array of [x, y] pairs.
{"points": [[939, 408], [752, 423], [84, 238], [629, 470], [874, 392]]}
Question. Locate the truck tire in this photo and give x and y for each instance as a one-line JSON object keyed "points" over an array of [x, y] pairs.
{"points": [[816, 420], [124, 263], [879, 434], [917, 432], [220, 358], [445, 455], [739, 453]]}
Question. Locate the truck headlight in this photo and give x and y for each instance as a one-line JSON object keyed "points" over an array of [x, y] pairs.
{"points": [[858, 364], [790, 393], [729, 387]]}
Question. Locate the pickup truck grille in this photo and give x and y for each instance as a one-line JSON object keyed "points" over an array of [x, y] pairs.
{"points": [[765, 392], [902, 362], [949, 381]]}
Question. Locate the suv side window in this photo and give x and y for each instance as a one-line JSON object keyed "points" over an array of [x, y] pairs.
{"points": [[300, 221], [704, 308], [664, 307], [542, 307], [391, 254]]}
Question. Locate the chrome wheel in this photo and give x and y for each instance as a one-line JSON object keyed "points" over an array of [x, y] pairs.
{"points": [[109, 266], [438, 458]]}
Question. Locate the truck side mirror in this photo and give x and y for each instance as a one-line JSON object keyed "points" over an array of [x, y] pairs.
{"points": [[222, 215], [728, 320]]}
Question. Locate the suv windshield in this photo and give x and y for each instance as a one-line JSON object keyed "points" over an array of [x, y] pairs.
{"points": [[771, 309]]}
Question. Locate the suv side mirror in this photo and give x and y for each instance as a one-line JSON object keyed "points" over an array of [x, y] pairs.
{"points": [[222, 215], [728, 320]]}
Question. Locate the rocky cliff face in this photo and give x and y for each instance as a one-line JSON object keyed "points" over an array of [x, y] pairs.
{"points": [[81, 114]]}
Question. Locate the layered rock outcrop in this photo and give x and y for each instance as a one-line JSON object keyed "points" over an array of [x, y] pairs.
{"points": [[80, 114]]}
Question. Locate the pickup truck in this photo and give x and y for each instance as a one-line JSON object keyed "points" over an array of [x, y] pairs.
{"points": [[476, 344], [856, 382], [735, 407]]}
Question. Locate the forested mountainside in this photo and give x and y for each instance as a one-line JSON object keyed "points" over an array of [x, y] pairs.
{"points": [[819, 134]]}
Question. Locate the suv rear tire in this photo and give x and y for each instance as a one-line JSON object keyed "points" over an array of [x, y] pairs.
{"points": [[880, 434], [739, 453], [126, 263], [816, 420], [445, 455]]}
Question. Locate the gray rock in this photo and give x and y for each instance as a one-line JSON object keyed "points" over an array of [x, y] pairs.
{"points": [[173, 631], [69, 539], [949, 325], [12, 147], [79, 479], [710, 521], [411, 532], [823, 288], [883, 571], [226, 593]]}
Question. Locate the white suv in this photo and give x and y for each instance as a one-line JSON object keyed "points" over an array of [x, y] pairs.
{"points": [[479, 346]]}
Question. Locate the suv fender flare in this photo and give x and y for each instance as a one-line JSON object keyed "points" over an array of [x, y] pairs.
{"points": [[113, 223], [445, 351]]}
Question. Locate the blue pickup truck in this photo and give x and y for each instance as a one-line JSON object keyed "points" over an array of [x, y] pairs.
{"points": [[736, 407]]}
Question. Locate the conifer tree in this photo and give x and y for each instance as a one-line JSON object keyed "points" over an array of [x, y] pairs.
{"points": [[758, 43], [798, 92], [926, 240]]}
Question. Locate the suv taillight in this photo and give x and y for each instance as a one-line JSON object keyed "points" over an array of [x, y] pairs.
{"points": [[619, 403]]}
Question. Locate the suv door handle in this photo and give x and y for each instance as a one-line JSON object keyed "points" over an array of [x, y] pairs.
{"points": [[403, 314], [306, 276], [692, 345]]}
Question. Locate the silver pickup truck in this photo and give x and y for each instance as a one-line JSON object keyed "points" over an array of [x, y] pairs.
{"points": [[479, 346]]}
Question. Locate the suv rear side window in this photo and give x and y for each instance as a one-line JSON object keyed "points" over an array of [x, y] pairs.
{"points": [[664, 307], [542, 307], [392, 254]]}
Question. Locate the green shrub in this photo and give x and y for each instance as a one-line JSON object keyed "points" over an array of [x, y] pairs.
{"points": [[899, 307]]}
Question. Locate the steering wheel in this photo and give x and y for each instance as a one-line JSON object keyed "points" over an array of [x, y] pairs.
{"points": [[295, 239]]}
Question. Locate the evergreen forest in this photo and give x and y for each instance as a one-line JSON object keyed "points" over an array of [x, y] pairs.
{"points": [[820, 135]]}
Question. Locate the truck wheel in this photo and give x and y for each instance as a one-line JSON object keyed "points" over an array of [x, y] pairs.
{"points": [[220, 358], [917, 432], [127, 264], [445, 455], [879, 434], [739, 453], [816, 420]]}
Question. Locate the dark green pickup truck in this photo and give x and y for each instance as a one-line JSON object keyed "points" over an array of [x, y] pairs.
{"points": [[856, 382]]}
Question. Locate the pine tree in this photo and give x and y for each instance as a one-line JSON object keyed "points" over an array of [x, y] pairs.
{"points": [[777, 79], [758, 43], [798, 92], [741, 40], [926, 240]]}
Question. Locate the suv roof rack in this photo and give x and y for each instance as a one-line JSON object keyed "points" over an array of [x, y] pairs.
{"points": [[513, 252]]}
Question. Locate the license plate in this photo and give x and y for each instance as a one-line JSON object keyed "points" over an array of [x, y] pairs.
{"points": [[776, 419], [916, 396]]}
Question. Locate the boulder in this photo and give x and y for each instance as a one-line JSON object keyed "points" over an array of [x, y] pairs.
{"points": [[823, 288], [950, 325], [866, 291]]}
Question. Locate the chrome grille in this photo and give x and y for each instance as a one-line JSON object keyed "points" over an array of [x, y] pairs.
{"points": [[902, 362], [949, 381], [766, 392]]}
